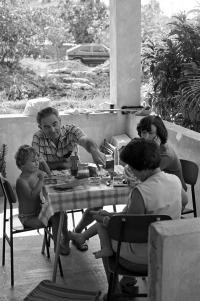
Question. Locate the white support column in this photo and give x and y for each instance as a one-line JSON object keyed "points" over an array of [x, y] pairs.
{"points": [[125, 49]]}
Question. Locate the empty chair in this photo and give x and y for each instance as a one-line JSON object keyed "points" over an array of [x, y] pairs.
{"points": [[131, 229], [15, 226], [190, 174]]}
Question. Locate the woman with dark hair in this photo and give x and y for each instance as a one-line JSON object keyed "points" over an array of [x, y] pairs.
{"points": [[158, 193], [153, 128]]}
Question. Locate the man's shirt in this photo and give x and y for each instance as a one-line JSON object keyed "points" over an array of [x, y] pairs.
{"points": [[67, 145]]}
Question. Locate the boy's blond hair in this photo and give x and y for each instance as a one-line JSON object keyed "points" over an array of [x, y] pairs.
{"points": [[23, 153]]}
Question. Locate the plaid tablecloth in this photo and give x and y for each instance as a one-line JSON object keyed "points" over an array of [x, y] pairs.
{"points": [[81, 197]]}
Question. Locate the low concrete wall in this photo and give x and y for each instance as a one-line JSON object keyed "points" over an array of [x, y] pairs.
{"points": [[185, 142], [174, 260], [16, 130]]}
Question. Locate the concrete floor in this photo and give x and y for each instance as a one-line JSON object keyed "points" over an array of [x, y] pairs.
{"points": [[81, 269]]}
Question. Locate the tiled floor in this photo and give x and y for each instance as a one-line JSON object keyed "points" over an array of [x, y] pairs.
{"points": [[81, 269]]}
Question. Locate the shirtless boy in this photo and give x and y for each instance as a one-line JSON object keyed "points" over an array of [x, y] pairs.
{"points": [[28, 188]]}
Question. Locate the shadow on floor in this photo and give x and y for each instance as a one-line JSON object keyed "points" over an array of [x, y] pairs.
{"points": [[81, 269]]}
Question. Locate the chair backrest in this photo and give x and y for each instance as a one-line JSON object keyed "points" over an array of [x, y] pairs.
{"points": [[190, 171], [8, 190], [132, 228]]}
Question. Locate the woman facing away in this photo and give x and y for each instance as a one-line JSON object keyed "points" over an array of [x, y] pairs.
{"points": [[153, 128], [158, 193]]}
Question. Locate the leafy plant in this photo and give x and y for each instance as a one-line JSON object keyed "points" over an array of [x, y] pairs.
{"points": [[174, 65]]}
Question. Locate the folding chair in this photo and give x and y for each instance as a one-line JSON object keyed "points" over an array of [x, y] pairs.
{"points": [[15, 226], [132, 229], [190, 172]]}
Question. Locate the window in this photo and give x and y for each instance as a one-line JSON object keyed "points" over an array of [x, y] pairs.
{"points": [[98, 49], [85, 49]]}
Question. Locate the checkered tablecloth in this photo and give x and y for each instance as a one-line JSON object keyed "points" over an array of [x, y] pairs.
{"points": [[81, 197]]}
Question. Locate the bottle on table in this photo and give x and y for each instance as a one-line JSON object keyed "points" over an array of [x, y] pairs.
{"points": [[109, 163], [74, 167]]}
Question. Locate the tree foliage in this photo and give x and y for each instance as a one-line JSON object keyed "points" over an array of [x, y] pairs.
{"points": [[175, 69], [24, 29], [18, 31], [153, 22], [88, 20]]}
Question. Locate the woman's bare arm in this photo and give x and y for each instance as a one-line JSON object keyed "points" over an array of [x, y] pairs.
{"points": [[136, 205]]}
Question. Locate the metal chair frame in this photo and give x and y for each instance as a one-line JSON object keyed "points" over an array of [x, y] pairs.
{"points": [[9, 199], [132, 229], [190, 172]]}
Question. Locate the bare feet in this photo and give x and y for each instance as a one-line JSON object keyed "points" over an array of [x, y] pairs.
{"points": [[78, 237], [105, 252]]}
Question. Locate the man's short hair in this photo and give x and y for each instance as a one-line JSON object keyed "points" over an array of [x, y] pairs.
{"points": [[141, 154], [23, 153], [145, 125], [46, 113]]}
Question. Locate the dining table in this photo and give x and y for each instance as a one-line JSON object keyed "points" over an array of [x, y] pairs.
{"points": [[61, 194]]}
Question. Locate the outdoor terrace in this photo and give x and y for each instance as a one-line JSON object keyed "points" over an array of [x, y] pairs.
{"points": [[81, 269]]}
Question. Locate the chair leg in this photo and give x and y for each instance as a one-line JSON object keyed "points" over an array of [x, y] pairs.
{"points": [[114, 208], [4, 244], [44, 243], [47, 240], [60, 267], [11, 259], [73, 220], [110, 287], [194, 202], [4, 233], [3, 250]]}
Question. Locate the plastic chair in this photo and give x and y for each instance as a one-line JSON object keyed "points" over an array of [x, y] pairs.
{"points": [[190, 172], [132, 229], [48, 290], [7, 191]]}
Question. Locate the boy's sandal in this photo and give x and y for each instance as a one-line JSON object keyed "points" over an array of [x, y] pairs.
{"points": [[80, 247]]}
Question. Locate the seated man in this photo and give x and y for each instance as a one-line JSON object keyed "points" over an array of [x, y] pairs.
{"points": [[56, 144]]}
